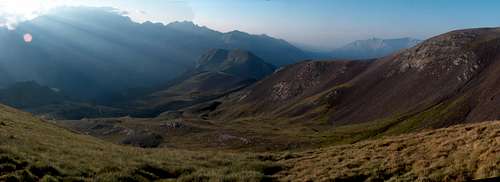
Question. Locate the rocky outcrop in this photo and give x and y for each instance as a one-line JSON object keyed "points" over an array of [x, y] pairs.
{"points": [[450, 78]]}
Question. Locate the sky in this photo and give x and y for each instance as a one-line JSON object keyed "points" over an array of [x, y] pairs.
{"points": [[318, 24]]}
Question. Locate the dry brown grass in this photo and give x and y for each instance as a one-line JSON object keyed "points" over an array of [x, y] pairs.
{"points": [[31, 149], [458, 153]]}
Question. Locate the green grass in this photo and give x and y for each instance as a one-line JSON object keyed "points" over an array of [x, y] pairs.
{"points": [[31, 149], [34, 150], [441, 115]]}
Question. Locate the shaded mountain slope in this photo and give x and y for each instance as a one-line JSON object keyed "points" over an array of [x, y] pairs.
{"points": [[30, 94], [444, 80], [93, 49], [237, 62], [218, 73], [51, 103]]}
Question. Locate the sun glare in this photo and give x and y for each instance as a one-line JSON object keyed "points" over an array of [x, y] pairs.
{"points": [[13, 12], [27, 38], [18, 7], [25, 8]]}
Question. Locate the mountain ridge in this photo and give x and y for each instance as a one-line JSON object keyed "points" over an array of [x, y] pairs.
{"points": [[218, 72], [373, 48], [410, 89], [236, 62], [74, 41]]}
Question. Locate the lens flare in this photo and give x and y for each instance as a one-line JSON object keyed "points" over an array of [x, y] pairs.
{"points": [[28, 38]]}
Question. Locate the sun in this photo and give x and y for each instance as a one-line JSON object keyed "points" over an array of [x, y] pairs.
{"points": [[28, 38]]}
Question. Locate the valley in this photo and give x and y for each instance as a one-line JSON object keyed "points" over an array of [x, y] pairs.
{"points": [[83, 100]]}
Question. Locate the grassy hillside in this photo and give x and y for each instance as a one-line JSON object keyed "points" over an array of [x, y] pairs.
{"points": [[31, 149], [458, 153]]}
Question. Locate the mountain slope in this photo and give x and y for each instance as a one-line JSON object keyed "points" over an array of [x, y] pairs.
{"points": [[281, 94], [237, 62], [93, 48], [30, 94], [458, 153], [33, 150], [218, 73], [373, 48], [445, 80], [51, 103]]}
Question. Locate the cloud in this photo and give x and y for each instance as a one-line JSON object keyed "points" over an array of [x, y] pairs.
{"points": [[9, 20], [157, 11], [12, 12]]}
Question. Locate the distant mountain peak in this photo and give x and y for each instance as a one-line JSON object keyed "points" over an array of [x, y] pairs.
{"points": [[153, 23], [85, 44], [373, 48], [237, 32], [189, 26], [183, 24], [452, 77]]}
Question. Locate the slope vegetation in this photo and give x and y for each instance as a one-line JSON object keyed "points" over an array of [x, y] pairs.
{"points": [[33, 150], [445, 80], [458, 153], [284, 93]]}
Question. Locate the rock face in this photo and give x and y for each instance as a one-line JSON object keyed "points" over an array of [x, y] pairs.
{"points": [[444, 80]]}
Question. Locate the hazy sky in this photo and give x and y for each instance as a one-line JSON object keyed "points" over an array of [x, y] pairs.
{"points": [[319, 23]]}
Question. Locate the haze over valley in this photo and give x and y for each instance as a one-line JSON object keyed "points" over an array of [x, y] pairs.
{"points": [[185, 91]]}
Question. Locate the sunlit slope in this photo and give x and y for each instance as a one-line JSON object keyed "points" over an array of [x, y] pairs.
{"points": [[458, 153]]}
